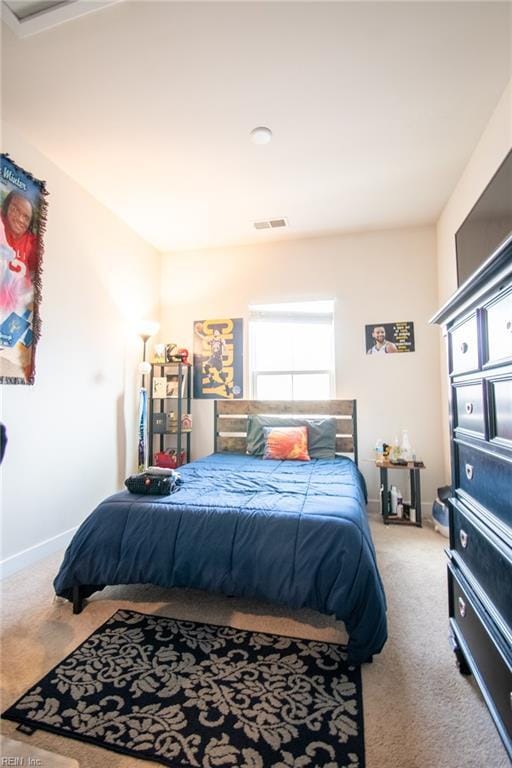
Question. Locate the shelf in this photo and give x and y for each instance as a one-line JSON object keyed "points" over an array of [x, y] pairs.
{"points": [[391, 465], [168, 365], [175, 432]]}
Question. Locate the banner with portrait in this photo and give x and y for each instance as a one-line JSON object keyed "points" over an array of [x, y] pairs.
{"points": [[23, 217], [383, 338], [218, 359]]}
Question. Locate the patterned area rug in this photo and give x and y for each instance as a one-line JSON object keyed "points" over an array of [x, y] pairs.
{"points": [[189, 694]]}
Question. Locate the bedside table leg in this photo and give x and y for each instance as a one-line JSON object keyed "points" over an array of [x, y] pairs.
{"points": [[384, 508], [416, 494]]}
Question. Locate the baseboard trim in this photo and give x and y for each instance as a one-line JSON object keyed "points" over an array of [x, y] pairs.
{"points": [[31, 555]]}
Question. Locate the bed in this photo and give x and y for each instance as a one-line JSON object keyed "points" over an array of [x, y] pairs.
{"points": [[292, 532]]}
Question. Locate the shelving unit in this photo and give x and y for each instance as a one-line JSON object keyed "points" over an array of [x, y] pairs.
{"points": [[170, 394]]}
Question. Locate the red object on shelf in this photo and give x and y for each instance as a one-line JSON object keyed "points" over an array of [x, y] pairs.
{"points": [[169, 459]]}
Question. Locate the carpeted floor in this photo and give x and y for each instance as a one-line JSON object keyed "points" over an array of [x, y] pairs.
{"points": [[418, 711]]}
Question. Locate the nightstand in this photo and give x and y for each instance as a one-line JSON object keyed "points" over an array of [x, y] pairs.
{"points": [[414, 468]]}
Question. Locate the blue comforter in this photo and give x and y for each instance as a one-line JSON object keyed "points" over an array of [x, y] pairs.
{"points": [[286, 531]]}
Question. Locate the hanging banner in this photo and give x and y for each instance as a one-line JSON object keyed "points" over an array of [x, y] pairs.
{"points": [[385, 338], [218, 359], [23, 216]]}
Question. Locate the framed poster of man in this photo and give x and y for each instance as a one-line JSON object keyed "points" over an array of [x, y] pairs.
{"points": [[387, 338], [23, 213], [218, 358]]}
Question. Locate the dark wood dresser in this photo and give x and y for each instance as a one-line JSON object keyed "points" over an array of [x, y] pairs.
{"points": [[477, 323]]}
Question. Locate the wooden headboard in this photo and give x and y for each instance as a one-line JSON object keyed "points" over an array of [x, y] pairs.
{"points": [[230, 427]]}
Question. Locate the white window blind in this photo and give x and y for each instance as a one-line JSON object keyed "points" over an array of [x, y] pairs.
{"points": [[292, 351]]}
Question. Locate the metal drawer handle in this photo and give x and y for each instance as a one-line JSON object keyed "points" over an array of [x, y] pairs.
{"points": [[508, 326], [469, 471], [469, 407], [464, 347], [462, 607], [463, 538]]}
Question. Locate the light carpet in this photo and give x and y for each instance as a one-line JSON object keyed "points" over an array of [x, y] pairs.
{"points": [[419, 712]]}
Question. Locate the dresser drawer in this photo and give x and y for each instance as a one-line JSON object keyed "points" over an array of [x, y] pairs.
{"points": [[485, 652], [464, 346], [488, 559], [487, 479], [500, 409], [498, 325], [469, 408]]}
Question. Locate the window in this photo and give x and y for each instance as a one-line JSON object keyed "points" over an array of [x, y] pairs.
{"points": [[292, 351]]}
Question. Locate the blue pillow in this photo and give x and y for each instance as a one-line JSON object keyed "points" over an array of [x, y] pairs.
{"points": [[321, 434]]}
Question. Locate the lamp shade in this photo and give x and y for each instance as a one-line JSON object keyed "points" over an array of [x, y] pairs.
{"points": [[148, 328]]}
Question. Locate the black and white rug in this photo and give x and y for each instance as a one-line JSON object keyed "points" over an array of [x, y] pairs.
{"points": [[190, 694]]}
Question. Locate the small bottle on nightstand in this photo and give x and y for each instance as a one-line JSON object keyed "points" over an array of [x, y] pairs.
{"points": [[405, 448], [399, 504]]}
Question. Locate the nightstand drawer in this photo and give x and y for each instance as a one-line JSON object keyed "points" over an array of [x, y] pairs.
{"points": [[464, 346], [499, 330], [469, 408], [487, 479], [484, 649], [488, 559]]}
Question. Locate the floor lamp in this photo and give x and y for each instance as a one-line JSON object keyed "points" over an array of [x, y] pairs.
{"points": [[146, 332]]}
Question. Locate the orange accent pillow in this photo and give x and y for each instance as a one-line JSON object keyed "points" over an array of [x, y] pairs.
{"points": [[286, 443]]}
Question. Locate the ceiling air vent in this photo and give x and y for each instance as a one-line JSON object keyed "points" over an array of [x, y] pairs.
{"points": [[270, 223]]}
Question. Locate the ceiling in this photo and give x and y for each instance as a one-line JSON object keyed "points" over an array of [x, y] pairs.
{"points": [[375, 109]]}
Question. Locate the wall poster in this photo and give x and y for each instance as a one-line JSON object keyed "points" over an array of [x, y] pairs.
{"points": [[384, 338], [218, 359], [23, 216]]}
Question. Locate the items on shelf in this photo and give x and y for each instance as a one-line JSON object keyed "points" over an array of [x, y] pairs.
{"points": [[159, 353], [406, 452], [170, 459], [170, 414], [159, 386], [400, 453]]}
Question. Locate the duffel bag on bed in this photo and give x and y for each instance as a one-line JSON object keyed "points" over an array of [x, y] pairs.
{"points": [[151, 485]]}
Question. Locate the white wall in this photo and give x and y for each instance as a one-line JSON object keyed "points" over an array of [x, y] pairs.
{"points": [[72, 436], [490, 151], [374, 277]]}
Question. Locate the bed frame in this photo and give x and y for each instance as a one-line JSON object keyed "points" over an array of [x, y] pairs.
{"points": [[230, 423]]}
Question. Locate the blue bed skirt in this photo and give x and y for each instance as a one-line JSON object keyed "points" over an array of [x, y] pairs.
{"points": [[286, 531]]}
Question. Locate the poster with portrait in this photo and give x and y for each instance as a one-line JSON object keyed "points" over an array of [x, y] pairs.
{"points": [[218, 359], [23, 216], [386, 338]]}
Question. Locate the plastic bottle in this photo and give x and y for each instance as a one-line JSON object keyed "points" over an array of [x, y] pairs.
{"points": [[405, 447], [394, 499], [399, 504], [379, 451], [395, 451]]}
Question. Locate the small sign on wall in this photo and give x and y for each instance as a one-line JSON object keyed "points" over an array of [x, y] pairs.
{"points": [[386, 338]]}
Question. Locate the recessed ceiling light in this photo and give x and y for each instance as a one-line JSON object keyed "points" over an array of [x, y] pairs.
{"points": [[261, 135]]}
